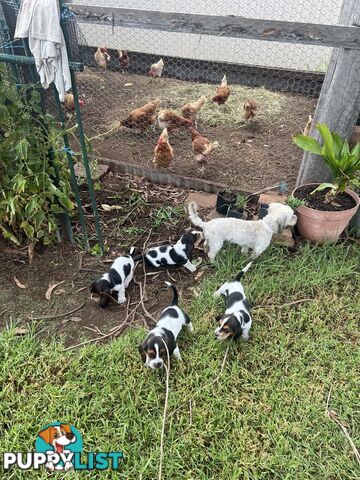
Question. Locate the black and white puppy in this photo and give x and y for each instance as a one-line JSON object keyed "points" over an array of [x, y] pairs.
{"points": [[178, 254], [153, 350], [115, 281], [236, 320]]}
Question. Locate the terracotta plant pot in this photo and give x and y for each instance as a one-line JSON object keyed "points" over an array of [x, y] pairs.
{"points": [[319, 226]]}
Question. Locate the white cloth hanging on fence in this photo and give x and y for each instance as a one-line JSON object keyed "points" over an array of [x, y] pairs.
{"points": [[39, 21]]}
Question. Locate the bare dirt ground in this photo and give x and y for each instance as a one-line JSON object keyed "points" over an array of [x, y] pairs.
{"points": [[132, 212], [250, 155]]}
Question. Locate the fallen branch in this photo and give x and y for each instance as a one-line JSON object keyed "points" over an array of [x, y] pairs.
{"points": [[303, 300], [147, 313], [113, 331], [143, 287], [167, 368], [344, 428], [58, 315]]}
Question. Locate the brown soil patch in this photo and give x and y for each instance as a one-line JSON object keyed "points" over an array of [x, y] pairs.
{"points": [[140, 216], [250, 155]]}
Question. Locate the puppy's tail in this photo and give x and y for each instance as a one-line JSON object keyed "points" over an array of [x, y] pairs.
{"points": [[196, 220], [138, 258], [175, 292], [241, 273]]}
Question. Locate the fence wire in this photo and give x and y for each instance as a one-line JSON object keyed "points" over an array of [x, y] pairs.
{"points": [[282, 80], [274, 88]]}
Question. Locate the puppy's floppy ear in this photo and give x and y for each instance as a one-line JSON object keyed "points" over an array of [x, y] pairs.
{"points": [[238, 329], [92, 287], [189, 249], [105, 298], [47, 435], [141, 349]]}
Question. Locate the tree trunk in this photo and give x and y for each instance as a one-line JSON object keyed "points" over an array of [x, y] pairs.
{"points": [[339, 102]]}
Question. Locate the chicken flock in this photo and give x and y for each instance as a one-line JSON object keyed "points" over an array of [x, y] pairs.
{"points": [[148, 115]]}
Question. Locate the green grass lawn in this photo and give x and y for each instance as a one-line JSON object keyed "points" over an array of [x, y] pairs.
{"points": [[263, 419]]}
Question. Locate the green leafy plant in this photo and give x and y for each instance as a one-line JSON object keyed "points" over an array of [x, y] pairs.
{"points": [[294, 202], [34, 180], [241, 202], [167, 214], [343, 163], [96, 250]]}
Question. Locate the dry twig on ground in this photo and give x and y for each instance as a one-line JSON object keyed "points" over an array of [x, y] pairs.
{"points": [[344, 427]]}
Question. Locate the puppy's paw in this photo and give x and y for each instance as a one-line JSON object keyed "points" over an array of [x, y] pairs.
{"points": [[217, 294], [121, 300], [190, 327]]}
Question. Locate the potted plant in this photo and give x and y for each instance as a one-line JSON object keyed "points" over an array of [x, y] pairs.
{"points": [[225, 200], [237, 211], [328, 207]]}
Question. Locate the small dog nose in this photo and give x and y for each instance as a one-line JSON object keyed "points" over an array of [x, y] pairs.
{"points": [[70, 436], [158, 364]]}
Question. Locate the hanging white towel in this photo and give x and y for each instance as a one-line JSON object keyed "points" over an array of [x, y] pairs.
{"points": [[39, 21]]}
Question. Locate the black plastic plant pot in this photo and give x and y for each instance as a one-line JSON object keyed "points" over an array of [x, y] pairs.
{"points": [[224, 201], [235, 213], [252, 199], [263, 210]]}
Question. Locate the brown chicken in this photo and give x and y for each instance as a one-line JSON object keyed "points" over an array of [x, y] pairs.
{"points": [[250, 107], [156, 69], [163, 152], [222, 92], [191, 110], [69, 102], [102, 57], [124, 59], [142, 117], [172, 120], [201, 147]]}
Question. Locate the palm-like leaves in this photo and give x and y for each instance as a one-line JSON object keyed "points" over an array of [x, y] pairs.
{"points": [[342, 162]]}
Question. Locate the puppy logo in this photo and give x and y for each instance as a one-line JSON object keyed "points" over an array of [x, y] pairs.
{"points": [[59, 441]]}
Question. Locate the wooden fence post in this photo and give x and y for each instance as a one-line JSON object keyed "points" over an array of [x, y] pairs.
{"points": [[339, 102]]}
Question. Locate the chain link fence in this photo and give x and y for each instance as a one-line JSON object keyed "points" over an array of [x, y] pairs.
{"points": [[251, 150], [284, 80]]}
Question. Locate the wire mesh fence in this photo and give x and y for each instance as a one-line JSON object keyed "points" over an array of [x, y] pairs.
{"points": [[246, 141], [122, 97], [36, 129]]}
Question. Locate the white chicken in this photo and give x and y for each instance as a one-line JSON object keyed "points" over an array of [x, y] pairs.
{"points": [[156, 69], [102, 58]]}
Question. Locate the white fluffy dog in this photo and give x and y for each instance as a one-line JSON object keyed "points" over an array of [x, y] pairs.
{"points": [[248, 234]]}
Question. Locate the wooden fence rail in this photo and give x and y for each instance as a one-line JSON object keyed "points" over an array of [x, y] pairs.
{"points": [[227, 26]]}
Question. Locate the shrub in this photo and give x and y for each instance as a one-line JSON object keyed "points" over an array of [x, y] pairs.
{"points": [[34, 179]]}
